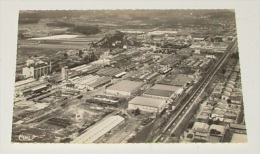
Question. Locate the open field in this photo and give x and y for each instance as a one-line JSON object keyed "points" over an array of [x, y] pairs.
{"points": [[55, 37], [51, 46]]}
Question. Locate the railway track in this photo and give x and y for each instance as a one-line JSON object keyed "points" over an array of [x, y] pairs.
{"points": [[195, 92]]}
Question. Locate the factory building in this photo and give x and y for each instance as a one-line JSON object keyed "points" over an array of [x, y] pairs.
{"points": [[24, 87], [125, 87], [99, 130], [64, 73], [163, 91], [99, 83], [153, 105], [85, 69], [36, 70]]}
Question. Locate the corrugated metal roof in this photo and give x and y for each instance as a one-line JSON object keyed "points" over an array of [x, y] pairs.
{"points": [[39, 87], [126, 85], [145, 101], [99, 130], [166, 87], [159, 92]]}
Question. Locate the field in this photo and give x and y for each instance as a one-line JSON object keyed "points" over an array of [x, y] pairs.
{"points": [[55, 37], [51, 46]]}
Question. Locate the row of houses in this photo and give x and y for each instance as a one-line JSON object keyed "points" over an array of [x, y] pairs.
{"points": [[219, 113], [231, 88]]}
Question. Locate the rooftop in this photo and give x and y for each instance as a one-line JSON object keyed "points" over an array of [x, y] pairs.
{"points": [[23, 82], [201, 126], [100, 82], [99, 130], [126, 85], [238, 126], [159, 92], [203, 115], [163, 90], [239, 138], [177, 80], [214, 139], [166, 87], [145, 101]]}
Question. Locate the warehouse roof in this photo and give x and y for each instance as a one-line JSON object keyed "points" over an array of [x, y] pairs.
{"points": [[39, 87], [78, 67], [100, 82], [163, 90], [237, 126], [23, 82], [166, 87], [99, 130], [159, 92], [145, 101], [126, 85]]}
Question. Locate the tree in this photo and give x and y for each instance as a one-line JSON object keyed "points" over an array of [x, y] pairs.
{"points": [[214, 131], [80, 53], [190, 125], [217, 122], [223, 71], [65, 55], [137, 112], [210, 122], [169, 107], [228, 101], [21, 35]]}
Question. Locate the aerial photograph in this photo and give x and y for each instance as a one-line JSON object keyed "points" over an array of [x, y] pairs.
{"points": [[128, 76]]}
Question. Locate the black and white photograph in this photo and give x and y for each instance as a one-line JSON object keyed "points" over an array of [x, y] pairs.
{"points": [[128, 76]]}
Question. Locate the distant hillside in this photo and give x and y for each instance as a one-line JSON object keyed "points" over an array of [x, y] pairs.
{"points": [[28, 18], [123, 16], [87, 30], [60, 24], [110, 38]]}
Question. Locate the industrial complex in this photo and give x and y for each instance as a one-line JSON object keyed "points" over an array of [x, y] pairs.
{"points": [[123, 82]]}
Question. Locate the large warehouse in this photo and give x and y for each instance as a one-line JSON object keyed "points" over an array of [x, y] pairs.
{"points": [[163, 91], [99, 130], [146, 104], [125, 87]]}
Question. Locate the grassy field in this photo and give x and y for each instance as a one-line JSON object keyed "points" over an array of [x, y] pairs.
{"points": [[28, 48]]}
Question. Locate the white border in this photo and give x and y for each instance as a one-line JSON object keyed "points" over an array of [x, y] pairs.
{"points": [[247, 15]]}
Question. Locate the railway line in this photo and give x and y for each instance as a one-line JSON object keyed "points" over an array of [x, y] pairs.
{"points": [[190, 99]]}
